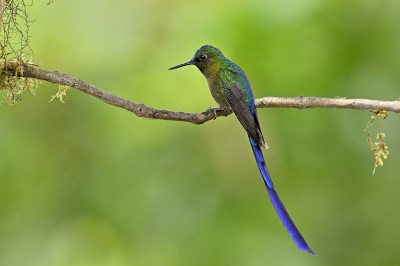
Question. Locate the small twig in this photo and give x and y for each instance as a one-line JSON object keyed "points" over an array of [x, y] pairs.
{"points": [[1, 12], [142, 110]]}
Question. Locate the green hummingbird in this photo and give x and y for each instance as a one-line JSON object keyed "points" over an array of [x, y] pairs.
{"points": [[230, 88]]}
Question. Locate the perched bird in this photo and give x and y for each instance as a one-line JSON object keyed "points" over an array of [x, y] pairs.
{"points": [[230, 88]]}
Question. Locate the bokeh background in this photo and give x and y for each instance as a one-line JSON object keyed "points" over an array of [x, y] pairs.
{"points": [[85, 183]]}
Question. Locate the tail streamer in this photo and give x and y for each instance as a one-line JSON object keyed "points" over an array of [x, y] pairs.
{"points": [[276, 201]]}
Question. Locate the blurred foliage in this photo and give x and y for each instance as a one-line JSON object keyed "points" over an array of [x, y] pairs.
{"points": [[84, 183]]}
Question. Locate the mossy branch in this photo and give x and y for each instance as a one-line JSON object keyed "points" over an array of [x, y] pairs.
{"points": [[141, 110]]}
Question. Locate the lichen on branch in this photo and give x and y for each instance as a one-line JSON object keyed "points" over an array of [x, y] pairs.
{"points": [[13, 83], [377, 146]]}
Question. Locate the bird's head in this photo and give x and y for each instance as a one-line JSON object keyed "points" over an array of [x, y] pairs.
{"points": [[207, 59]]}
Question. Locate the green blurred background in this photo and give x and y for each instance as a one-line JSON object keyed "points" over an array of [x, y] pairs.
{"points": [[85, 183]]}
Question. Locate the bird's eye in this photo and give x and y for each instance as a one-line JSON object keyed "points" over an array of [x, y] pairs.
{"points": [[203, 56]]}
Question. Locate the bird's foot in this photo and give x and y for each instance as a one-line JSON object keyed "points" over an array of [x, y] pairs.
{"points": [[213, 111]]}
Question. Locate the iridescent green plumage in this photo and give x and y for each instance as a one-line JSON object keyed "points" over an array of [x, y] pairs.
{"points": [[230, 88]]}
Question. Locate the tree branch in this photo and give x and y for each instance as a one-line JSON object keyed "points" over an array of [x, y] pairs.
{"points": [[142, 110], [314, 102]]}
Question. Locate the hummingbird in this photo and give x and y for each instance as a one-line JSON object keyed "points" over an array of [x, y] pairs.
{"points": [[230, 88]]}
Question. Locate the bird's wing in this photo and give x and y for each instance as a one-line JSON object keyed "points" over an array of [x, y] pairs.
{"points": [[235, 95]]}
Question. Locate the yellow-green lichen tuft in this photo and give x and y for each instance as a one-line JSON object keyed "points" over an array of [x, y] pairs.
{"points": [[377, 146], [62, 92], [12, 85]]}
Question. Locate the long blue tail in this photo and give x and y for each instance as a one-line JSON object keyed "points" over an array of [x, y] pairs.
{"points": [[276, 201]]}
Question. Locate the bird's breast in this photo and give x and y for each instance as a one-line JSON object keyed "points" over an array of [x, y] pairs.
{"points": [[216, 92]]}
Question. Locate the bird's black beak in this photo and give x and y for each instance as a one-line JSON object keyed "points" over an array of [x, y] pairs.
{"points": [[182, 65]]}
